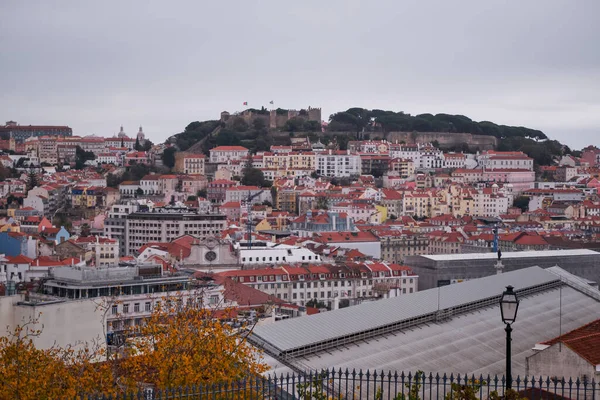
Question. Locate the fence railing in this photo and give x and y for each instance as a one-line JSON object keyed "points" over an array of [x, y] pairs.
{"points": [[378, 385]]}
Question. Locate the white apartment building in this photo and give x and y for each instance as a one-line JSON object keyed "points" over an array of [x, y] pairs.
{"points": [[329, 284], [338, 164], [423, 155], [431, 157], [116, 221], [222, 154], [108, 158], [455, 160], [130, 294], [105, 249], [92, 143], [491, 202], [164, 224], [150, 184], [47, 150], [129, 188], [505, 160], [241, 193], [261, 253], [120, 142]]}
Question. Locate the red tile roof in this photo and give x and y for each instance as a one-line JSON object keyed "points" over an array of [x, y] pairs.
{"points": [[229, 148], [342, 237], [20, 259], [584, 341]]}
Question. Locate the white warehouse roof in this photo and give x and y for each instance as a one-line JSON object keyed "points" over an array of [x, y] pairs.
{"points": [[511, 254], [308, 331]]}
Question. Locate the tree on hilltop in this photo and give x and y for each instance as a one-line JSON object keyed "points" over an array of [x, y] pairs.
{"points": [[253, 177], [168, 157]]}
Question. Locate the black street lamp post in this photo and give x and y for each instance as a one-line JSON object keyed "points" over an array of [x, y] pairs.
{"points": [[509, 304]]}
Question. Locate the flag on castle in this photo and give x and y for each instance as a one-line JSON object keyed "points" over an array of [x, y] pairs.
{"points": [[245, 103], [271, 102]]}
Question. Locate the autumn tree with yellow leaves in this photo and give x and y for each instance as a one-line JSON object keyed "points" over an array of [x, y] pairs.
{"points": [[28, 373], [186, 345], [177, 346]]}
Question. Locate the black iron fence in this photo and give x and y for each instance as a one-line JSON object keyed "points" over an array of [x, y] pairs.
{"points": [[378, 385]]}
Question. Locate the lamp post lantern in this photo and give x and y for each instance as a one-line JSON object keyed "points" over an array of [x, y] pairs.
{"points": [[509, 304]]}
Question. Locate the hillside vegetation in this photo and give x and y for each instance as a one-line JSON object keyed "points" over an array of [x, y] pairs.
{"points": [[257, 137], [359, 119]]}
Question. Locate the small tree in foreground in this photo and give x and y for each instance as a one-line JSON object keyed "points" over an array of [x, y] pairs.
{"points": [[176, 346], [29, 373], [186, 345]]}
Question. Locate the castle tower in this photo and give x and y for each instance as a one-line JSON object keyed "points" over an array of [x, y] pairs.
{"points": [[314, 114], [122, 133]]}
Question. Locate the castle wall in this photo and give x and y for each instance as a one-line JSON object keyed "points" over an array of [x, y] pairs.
{"points": [[314, 114], [274, 120], [482, 142], [280, 121]]}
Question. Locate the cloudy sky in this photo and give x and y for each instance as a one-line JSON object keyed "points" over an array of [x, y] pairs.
{"points": [[162, 64]]}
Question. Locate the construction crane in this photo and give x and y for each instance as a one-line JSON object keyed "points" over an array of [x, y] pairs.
{"points": [[248, 201]]}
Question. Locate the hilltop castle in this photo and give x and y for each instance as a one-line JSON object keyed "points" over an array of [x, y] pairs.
{"points": [[275, 118]]}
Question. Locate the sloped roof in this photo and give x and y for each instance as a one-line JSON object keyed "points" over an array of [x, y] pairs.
{"points": [[584, 341], [297, 333]]}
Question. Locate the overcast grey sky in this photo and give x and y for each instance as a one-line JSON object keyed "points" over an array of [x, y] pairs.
{"points": [[162, 64]]}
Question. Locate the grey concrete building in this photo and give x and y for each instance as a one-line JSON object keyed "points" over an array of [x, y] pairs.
{"points": [[446, 269], [163, 224]]}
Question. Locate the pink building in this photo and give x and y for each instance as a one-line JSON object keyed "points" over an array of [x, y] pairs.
{"points": [[232, 210], [591, 155], [521, 179]]}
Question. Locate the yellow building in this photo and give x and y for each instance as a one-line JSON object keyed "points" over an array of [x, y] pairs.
{"points": [[300, 160], [380, 216], [286, 200], [263, 225], [10, 227], [188, 163], [84, 197], [275, 161], [418, 204], [403, 167]]}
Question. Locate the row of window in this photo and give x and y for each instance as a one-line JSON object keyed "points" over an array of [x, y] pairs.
{"points": [[309, 285], [126, 307]]}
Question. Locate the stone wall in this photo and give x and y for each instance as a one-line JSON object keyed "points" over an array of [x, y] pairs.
{"points": [[445, 139], [273, 120]]}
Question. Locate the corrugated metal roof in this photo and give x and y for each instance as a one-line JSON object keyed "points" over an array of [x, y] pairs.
{"points": [[300, 332], [472, 343], [510, 254]]}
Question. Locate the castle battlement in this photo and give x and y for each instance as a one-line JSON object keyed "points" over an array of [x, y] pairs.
{"points": [[276, 120]]}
